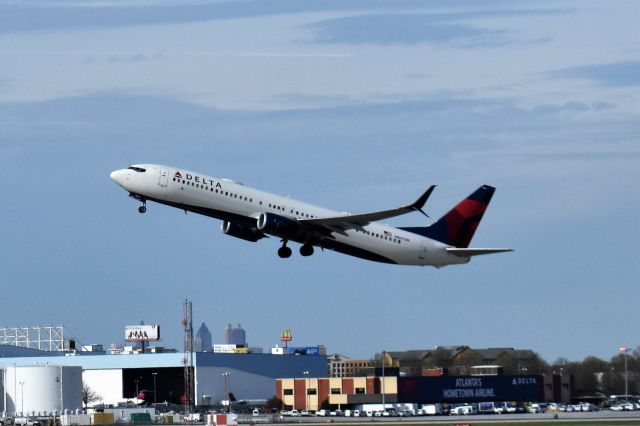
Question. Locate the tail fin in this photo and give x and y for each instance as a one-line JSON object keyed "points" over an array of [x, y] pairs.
{"points": [[457, 227]]}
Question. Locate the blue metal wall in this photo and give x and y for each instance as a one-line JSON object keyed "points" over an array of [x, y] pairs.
{"points": [[252, 376], [454, 389]]}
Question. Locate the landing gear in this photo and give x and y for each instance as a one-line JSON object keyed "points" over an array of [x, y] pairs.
{"points": [[142, 208], [284, 251], [306, 250]]}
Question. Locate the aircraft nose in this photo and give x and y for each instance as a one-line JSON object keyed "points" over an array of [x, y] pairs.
{"points": [[119, 176]]}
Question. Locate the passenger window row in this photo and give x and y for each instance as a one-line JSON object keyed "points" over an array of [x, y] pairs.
{"points": [[381, 236], [276, 207], [216, 190]]}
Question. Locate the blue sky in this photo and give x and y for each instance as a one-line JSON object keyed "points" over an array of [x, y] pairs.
{"points": [[353, 105]]}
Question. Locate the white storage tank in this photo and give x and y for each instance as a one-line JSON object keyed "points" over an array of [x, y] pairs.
{"points": [[43, 389]]}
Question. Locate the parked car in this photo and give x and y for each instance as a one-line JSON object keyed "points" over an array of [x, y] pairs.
{"points": [[431, 410], [505, 407], [26, 421], [555, 407], [537, 408], [588, 407], [461, 410]]}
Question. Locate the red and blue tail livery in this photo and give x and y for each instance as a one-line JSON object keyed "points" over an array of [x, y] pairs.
{"points": [[251, 215], [457, 227]]}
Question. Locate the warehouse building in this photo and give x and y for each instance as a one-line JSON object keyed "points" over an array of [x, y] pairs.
{"points": [[159, 377]]}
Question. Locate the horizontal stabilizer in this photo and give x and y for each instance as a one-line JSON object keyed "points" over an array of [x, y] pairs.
{"points": [[468, 252]]}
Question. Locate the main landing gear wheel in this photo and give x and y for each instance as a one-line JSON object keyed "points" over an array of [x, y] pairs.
{"points": [[306, 250], [284, 252]]}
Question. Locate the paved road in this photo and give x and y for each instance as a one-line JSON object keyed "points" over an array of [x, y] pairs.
{"points": [[600, 415]]}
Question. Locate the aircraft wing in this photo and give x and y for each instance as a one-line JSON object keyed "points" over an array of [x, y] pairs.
{"points": [[342, 223], [468, 252]]}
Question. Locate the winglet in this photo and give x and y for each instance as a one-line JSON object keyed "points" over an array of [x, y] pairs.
{"points": [[420, 202]]}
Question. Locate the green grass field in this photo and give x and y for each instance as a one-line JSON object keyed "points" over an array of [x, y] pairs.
{"points": [[554, 422]]}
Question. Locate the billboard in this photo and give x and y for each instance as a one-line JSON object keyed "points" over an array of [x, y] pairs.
{"points": [[142, 333], [455, 389], [230, 349], [303, 350]]}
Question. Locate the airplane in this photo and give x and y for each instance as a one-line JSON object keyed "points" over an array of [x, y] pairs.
{"points": [[239, 404], [251, 215]]}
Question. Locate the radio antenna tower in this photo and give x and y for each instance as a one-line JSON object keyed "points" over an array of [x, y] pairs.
{"points": [[188, 354]]}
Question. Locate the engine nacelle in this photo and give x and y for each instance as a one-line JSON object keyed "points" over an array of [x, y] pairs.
{"points": [[241, 231], [280, 226]]}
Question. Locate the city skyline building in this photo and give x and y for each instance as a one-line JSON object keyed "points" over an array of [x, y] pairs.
{"points": [[235, 335], [203, 339]]}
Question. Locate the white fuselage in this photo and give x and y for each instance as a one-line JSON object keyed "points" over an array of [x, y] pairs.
{"points": [[234, 202]]}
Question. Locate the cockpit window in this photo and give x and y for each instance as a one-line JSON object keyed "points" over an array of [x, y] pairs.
{"points": [[137, 169]]}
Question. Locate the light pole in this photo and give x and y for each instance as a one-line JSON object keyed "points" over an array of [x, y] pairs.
{"points": [[306, 389], [155, 398], [229, 393], [137, 393], [384, 353], [21, 397], [624, 351], [227, 387]]}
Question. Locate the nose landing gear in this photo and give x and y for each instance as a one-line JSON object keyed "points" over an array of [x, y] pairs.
{"points": [[143, 207]]}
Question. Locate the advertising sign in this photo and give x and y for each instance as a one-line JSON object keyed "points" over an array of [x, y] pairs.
{"points": [[454, 389], [305, 350], [230, 349], [142, 333]]}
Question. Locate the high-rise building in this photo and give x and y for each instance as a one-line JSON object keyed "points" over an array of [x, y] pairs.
{"points": [[235, 336], [203, 339]]}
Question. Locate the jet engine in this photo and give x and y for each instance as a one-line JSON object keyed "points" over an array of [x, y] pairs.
{"points": [[241, 231], [281, 226]]}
